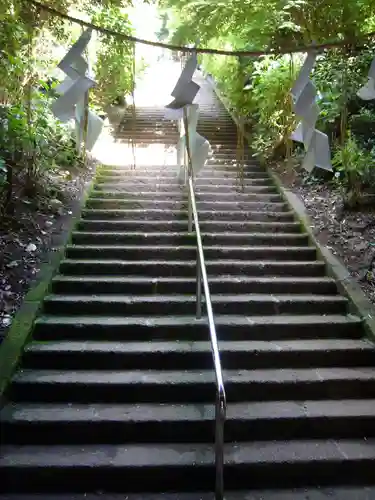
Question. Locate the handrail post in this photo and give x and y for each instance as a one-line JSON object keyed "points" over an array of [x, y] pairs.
{"points": [[188, 171], [190, 214], [220, 404], [219, 446], [199, 287]]}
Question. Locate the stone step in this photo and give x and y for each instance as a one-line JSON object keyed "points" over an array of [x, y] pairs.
{"points": [[147, 134], [169, 174], [270, 212], [189, 252], [99, 197], [181, 196], [168, 386], [201, 188], [223, 137], [197, 355], [219, 168], [167, 141], [331, 493], [186, 238], [154, 178], [124, 201], [250, 304], [223, 227], [168, 285], [141, 328], [228, 159], [157, 467], [157, 268], [251, 175], [230, 151], [100, 423]]}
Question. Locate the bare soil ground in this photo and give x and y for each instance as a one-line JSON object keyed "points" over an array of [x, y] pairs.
{"points": [[29, 235], [350, 235]]}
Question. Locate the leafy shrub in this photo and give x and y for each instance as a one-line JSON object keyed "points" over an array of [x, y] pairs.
{"points": [[115, 68], [272, 80], [338, 76], [362, 126], [230, 77], [355, 169], [33, 142]]}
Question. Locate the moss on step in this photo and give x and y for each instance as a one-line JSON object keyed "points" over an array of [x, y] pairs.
{"points": [[23, 322]]}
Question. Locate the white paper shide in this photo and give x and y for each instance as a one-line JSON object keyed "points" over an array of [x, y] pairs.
{"points": [[70, 104], [316, 143], [183, 110]]}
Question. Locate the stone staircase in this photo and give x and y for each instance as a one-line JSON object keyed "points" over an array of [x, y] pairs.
{"points": [[115, 394]]}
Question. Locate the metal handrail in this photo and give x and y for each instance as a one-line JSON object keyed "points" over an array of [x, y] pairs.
{"points": [[221, 403]]}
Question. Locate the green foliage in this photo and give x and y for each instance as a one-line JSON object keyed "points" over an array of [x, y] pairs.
{"points": [[355, 169], [230, 78], [272, 79], [362, 126], [3, 172], [114, 70], [163, 33], [32, 139], [338, 77], [265, 23], [33, 144], [283, 24]]}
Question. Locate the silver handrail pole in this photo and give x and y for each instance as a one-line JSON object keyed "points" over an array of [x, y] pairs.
{"points": [[219, 445], [199, 287], [190, 214], [220, 405]]}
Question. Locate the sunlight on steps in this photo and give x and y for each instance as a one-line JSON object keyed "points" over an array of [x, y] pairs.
{"points": [[152, 91], [110, 152]]}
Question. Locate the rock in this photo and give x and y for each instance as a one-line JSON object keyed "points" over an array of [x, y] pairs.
{"points": [[14, 263], [31, 247], [6, 321], [362, 246], [56, 205], [357, 226]]}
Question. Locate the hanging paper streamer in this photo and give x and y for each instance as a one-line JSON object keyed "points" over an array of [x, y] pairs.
{"points": [[304, 96], [70, 104], [74, 55], [181, 109], [185, 96], [199, 147], [63, 108], [191, 113], [94, 126], [199, 151], [186, 75], [77, 83], [367, 92], [64, 85], [304, 75], [185, 90]]}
